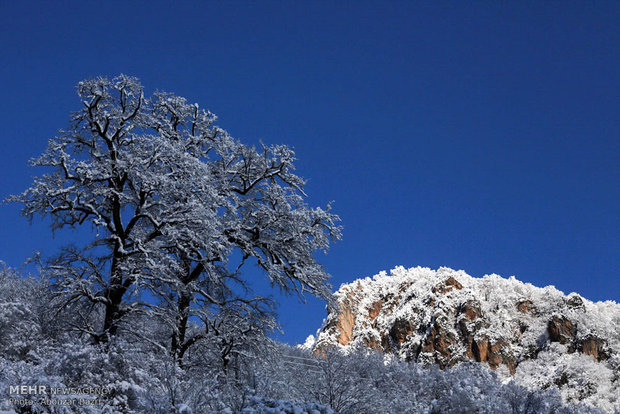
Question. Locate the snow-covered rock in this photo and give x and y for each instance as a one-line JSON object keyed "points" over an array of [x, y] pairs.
{"points": [[538, 337]]}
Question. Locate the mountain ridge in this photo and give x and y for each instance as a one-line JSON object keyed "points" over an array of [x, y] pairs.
{"points": [[537, 337]]}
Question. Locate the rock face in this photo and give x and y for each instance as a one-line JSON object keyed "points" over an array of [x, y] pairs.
{"points": [[445, 317], [561, 330], [346, 320]]}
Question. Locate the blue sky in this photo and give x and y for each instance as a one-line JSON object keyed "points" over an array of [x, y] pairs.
{"points": [[481, 136]]}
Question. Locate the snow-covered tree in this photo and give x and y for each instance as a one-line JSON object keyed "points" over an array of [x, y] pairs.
{"points": [[171, 199]]}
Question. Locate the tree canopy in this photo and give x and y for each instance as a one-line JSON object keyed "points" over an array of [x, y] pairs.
{"points": [[177, 207]]}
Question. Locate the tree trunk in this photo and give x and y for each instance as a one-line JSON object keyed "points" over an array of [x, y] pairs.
{"points": [[114, 294], [178, 346], [113, 311]]}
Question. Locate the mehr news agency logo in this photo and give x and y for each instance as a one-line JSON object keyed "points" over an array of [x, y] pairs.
{"points": [[23, 395]]}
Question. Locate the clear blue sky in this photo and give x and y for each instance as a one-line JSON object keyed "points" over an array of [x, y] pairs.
{"points": [[483, 136]]}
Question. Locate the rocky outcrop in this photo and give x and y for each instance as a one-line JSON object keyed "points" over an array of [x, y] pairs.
{"points": [[525, 306], [445, 317], [375, 309], [345, 320], [401, 330], [596, 347], [447, 285], [574, 301], [561, 330]]}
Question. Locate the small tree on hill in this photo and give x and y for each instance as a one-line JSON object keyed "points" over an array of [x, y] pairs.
{"points": [[171, 199]]}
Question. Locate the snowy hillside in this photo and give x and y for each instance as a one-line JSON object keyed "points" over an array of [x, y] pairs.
{"points": [[136, 374], [537, 337]]}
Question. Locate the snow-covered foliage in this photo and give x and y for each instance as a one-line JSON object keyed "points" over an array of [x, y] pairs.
{"points": [[535, 337]]}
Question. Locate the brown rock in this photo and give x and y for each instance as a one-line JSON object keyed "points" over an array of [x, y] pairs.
{"points": [[470, 321], [575, 302], [466, 328], [388, 303], [495, 354], [594, 346], [480, 349], [525, 306], [439, 341], [372, 343], [447, 285], [401, 329], [375, 309], [345, 322], [469, 342], [386, 343], [471, 309], [561, 330]]}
